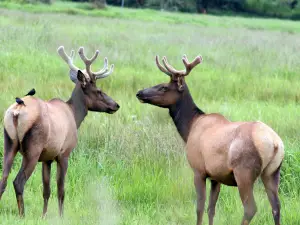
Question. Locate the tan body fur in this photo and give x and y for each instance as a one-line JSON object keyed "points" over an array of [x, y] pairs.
{"points": [[50, 119], [216, 146]]}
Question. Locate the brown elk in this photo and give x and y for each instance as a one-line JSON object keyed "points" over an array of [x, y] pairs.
{"points": [[230, 153], [47, 130]]}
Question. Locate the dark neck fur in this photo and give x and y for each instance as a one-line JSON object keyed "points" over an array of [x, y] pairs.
{"points": [[78, 105], [184, 112]]}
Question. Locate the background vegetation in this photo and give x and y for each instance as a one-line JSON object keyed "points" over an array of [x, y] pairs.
{"points": [[130, 167], [271, 8]]}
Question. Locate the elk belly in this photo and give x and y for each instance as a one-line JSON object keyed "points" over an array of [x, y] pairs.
{"points": [[48, 154], [227, 179], [218, 170]]}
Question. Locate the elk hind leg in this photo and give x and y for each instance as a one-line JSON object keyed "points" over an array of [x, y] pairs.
{"points": [[28, 165], [271, 183], [245, 179], [10, 151]]}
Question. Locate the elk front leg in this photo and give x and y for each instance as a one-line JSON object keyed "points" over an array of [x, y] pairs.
{"points": [[46, 171], [10, 151], [62, 166], [214, 194], [200, 185], [28, 165]]}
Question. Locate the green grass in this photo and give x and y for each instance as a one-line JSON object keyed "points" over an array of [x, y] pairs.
{"points": [[130, 167], [149, 15]]}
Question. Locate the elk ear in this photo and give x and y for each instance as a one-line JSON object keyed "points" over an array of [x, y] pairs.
{"points": [[81, 78]]}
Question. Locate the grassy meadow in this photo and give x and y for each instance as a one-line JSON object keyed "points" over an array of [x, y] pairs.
{"points": [[130, 167]]}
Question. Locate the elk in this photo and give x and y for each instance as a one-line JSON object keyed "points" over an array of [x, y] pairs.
{"points": [[44, 131], [230, 153]]}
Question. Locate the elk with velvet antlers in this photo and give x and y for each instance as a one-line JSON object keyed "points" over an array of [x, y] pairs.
{"points": [[47, 130], [230, 153]]}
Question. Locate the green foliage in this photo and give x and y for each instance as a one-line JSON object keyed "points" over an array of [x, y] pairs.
{"points": [[273, 8], [24, 1], [100, 4], [31, 1], [173, 5], [127, 3], [87, 9], [130, 167]]}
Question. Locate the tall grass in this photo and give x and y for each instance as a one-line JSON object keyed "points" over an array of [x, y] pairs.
{"points": [[87, 9], [130, 167]]}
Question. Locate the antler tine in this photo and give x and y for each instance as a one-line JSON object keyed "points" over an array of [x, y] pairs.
{"points": [[103, 70], [171, 69], [107, 73], [72, 54], [87, 62], [160, 67], [185, 60], [189, 66], [66, 58]]}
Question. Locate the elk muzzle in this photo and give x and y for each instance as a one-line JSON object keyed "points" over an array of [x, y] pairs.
{"points": [[140, 96], [113, 109]]}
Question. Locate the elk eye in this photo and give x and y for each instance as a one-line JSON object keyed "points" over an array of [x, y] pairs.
{"points": [[164, 89]]}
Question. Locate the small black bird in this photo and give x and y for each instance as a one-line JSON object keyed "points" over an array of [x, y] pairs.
{"points": [[20, 101], [31, 92]]}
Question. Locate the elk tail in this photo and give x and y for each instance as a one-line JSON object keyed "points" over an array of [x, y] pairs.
{"points": [[20, 103]]}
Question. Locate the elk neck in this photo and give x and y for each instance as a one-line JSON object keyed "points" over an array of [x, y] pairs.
{"points": [[184, 112], [78, 105]]}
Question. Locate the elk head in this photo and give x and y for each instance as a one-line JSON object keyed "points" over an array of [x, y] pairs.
{"points": [[167, 94], [95, 99]]}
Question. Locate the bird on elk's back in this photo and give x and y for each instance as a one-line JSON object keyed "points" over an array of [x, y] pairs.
{"points": [[31, 92], [20, 101]]}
